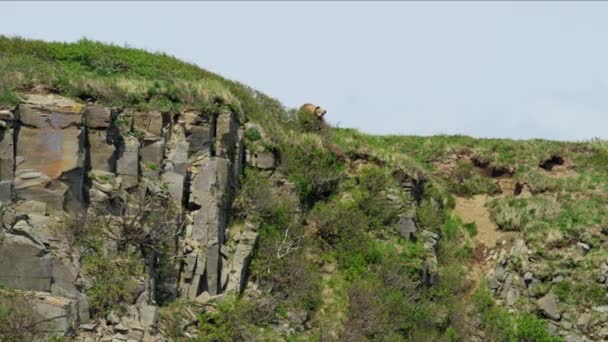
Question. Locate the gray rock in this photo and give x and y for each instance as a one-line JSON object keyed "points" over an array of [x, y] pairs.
{"points": [[31, 207], [239, 263], [59, 313], [102, 152], [573, 338], [112, 318], [226, 133], [548, 306], [25, 264], [175, 185], [64, 278], [407, 226], [601, 309], [50, 111], [127, 165], [148, 315], [6, 115], [151, 122], [88, 327], [54, 194], [264, 160], [120, 328], [57, 154], [9, 218], [97, 116], [152, 156], [492, 282], [511, 297], [583, 321], [6, 191], [7, 154]]}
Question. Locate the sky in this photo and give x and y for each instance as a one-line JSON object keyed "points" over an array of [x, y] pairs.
{"points": [[487, 69]]}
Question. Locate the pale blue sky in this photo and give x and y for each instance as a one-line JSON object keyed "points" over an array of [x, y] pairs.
{"points": [[490, 69]]}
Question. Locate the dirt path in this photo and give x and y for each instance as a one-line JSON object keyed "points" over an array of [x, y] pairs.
{"points": [[490, 242]]}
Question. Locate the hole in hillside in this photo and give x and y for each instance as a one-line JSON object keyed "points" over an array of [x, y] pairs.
{"points": [[518, 189], [484, 168], [552, 162]]}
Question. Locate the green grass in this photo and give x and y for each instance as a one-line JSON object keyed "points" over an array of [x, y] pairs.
{"points": [[121, 76]]}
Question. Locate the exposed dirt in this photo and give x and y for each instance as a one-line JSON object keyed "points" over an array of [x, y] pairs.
{"points": [[558, 167], [490, 242]]}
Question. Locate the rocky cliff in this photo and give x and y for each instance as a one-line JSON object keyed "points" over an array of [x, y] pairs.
{"points": [[158, 185]]}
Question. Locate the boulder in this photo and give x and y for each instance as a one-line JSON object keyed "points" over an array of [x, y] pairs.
{"points": [[51, 151], [226, 133], [127, 165], [548, 306], [102, 152], [7, 154], [148, 315], [151, 153], [407, 225], [175, 185], [51, 142], [30, 207], [97, 116], [53, 193], [238, 266], [150, 122], [59, 313], [264, 160], [25, 264], [50, 111], [199, 132]]}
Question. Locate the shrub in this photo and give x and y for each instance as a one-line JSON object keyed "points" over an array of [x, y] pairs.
{"points": [[370, 196], [113, 281], [313, 169], [7, 97], [231, 322], [252, 134], [337, 221], [435, 207], [464, 181], [18, 321], [501, 325]]}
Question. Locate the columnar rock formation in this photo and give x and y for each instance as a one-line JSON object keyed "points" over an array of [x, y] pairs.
{"points": [[59, 156]]}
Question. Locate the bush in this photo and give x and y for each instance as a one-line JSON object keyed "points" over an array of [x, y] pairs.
{"points": [[113, 281], [435, 207], [252, 134], [370, 196], [337, 221], [313, 169], [231, 322], [18, 321], [466, 182], [501, 325]]}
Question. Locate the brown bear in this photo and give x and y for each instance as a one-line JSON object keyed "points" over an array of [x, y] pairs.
{"points": [[313, 109]]}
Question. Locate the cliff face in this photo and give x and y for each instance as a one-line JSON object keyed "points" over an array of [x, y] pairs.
{"points": [[155, 186]]}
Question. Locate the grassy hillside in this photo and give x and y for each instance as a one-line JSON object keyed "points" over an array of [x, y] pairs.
{"points": [[331, 262]]}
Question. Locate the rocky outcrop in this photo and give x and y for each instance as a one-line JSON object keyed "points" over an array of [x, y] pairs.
{"points": [[213, 180], [60, 156], [50, 150]]}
